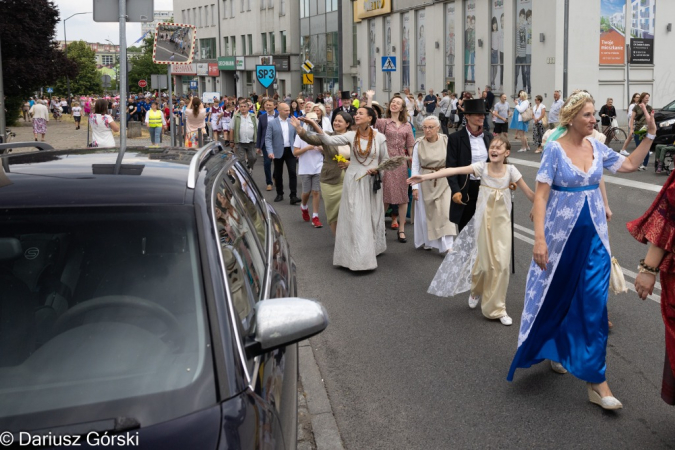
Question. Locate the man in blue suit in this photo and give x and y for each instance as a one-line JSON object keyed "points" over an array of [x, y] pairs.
{"points": [[279, 139], [264, 117]]}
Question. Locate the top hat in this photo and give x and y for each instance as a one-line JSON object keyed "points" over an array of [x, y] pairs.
{"points": [[474, 106], [345, 95]]}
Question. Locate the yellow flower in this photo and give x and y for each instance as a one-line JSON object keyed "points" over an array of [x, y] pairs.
{"points": [[339, 158]]}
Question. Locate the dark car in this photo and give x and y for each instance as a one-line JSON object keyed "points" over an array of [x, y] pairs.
{"points": [[665, 125], [147, 302]]}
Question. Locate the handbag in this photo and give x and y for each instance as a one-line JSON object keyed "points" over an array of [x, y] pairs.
{"points": [[377, 182], [527, 115], [617, 282], [614, 123]]}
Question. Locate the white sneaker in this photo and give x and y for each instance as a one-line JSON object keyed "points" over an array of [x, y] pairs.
{"points": [[558, 368], [473, 301], [522, 150], [642, 167], [426, 247], [506, 320], [624, 153]]}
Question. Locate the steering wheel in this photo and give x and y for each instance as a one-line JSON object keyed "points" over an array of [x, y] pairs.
{"points": [[75, 316]]}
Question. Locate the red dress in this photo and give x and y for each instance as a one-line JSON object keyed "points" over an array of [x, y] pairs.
{"points": [[657, 226], [400, 142]]}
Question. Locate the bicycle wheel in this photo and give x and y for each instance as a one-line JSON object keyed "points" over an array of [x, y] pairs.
{"points": [[619, 135]]}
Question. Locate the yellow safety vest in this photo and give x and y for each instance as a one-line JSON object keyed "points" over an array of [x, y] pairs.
{"points": [[154, 118]]}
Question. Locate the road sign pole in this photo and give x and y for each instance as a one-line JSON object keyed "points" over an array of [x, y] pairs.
{"points": [[171, 124], [123, 83], [2, 101]]}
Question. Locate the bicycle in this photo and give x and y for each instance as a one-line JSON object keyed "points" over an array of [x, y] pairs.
{"points": [[611, 133]]}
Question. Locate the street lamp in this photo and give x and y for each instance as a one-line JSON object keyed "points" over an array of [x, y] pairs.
{"points": [[66, 41]]}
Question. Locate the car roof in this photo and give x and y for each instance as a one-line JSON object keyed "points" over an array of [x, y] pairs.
{"points": [[87, 178]]}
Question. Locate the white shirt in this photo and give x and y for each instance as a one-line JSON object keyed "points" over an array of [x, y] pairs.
{"points": [[310, 162], [77, 111], [478, 150], [554, 112], [284, 131], [245, 129], [538, 110]]}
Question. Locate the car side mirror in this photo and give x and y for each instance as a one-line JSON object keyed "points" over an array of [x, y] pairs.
{"points": [[285, 321]]}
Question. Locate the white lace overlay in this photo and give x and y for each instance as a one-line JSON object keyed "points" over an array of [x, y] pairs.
{"points": [[562, 212]]}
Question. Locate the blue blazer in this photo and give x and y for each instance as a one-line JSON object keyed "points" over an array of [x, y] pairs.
{"points": [[274, 137], [262, 130]]}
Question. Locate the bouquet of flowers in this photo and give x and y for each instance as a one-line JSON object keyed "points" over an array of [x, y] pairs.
{"points": [[340, 159], [641, 133]]}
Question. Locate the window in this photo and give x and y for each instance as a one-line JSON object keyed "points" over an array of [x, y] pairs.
{"points": [[271, 4], [273, 48], [207, 48], [354, 46], [242, 5], [107, 60], [184, 16], [243, 44], [194, 17], [226, 46], [282, 35], [199, 17], [225, 10], [262, 4], [231, 8], [250, 44], [331, 5], [213, 15], [304, 8], [263, 41], [249, 81], [282, 7], [248, 5], [234, 45]]}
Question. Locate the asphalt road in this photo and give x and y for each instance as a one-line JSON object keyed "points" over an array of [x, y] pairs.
{"points": [[407, 370], [164, 51]]}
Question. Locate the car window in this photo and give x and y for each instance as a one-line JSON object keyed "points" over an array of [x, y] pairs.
{"points": [[241, 231], [102, 314], [670, 106]]}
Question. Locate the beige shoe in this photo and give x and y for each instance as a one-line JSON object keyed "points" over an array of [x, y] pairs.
{"points": [[558, 368], [269, 187], [608, 402]]}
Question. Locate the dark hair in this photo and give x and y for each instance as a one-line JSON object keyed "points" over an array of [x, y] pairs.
{"points": [[539, 97], [371, 113], [196, 103], [347, 118], [494, 22], [297, 106], [101, 106]]}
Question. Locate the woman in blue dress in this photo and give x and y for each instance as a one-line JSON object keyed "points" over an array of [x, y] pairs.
{"points": [[565, 314], [517, 123]]}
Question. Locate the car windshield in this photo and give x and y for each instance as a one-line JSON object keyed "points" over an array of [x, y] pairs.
{"points": [[102, 315], [670, 106]]}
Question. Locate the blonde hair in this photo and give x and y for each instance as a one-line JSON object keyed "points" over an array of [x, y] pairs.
{"points": [[523, 95], [573, 105]]}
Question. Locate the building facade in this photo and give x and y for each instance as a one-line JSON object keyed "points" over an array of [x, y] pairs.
{"points": [[518, 44], [106, 56], [233, 36], [159, 16]]}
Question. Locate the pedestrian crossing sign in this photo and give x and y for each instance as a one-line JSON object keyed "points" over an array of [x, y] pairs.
{"points": [[388, 64]]}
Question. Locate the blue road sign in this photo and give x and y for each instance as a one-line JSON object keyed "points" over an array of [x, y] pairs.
{"points": [[388, 64], [266, 75], [50, 90], [193, 84]]}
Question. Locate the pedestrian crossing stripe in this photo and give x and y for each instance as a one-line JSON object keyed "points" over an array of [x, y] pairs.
{"points": [[307, 66]]}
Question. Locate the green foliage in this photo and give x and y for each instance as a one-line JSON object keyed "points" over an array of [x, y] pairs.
{"points": [[88, 79], [604, 24], [143, 66]]}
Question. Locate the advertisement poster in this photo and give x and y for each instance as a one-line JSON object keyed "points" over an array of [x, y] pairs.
{"points": [[612, 32], [470, 45], [523, 46], [449, 41], [405, 51], [497, 47], [642, 31], [421, 52], [387, 51], [641, 51], [371, 54]]}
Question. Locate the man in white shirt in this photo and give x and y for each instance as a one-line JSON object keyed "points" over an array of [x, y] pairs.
{"points": [[243, 132], [443, 115], [278, 142], [467, 146], [554, 112], [500, 117]]}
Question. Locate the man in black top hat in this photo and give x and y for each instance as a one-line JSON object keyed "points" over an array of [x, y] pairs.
{"points": [[467, 146], [347, 107]]}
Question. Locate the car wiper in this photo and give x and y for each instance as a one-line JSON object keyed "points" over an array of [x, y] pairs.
{"points": [[116, 425]]}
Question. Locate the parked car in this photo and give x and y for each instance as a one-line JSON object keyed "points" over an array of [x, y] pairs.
{"points": [[151, 298], [665, 123]]}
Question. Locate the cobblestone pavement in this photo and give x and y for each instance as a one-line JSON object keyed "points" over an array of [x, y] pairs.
{"points": [[305, 435]]}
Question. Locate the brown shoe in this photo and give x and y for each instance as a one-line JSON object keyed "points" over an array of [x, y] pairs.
{"points": [[269, 187]]}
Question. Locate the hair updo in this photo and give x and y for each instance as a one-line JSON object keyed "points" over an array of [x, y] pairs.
{"points": [[573, 105]]}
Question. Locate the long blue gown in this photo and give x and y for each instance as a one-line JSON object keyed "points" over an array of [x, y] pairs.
{"points": [[565, 313]]}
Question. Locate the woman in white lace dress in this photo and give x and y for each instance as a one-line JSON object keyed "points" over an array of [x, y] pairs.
{"points": [[481, 256]]}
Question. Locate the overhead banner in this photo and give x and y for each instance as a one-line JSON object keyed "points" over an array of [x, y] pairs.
{"points": [[497, 47], [612, 32], [449, 41]]}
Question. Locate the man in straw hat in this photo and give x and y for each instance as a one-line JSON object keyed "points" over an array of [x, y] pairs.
{"points": [[467, 146]]}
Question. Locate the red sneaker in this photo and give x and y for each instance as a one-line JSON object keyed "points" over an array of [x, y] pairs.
{"points": [[305, 214], [316, 222]]}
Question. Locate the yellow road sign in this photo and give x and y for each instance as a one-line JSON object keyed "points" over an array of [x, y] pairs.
{"points": [[307, 78], [307, 66]]}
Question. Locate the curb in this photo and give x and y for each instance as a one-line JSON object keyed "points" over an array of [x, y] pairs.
{"points": [[324, 426]]}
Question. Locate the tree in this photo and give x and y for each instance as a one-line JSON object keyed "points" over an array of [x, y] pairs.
{"points": [[31, 57], [143, 66], [88, 80]]}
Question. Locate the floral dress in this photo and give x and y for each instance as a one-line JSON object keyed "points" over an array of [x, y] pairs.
{"points": [[400, 142]]}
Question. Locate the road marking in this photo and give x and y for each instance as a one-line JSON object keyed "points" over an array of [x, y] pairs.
{"points": [[628, 273], [608, 178]]}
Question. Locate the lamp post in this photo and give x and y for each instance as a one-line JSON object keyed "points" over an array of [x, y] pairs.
{"points": [[66, 41]]}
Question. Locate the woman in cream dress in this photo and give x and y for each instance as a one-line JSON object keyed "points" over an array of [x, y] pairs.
{"points": [[360, 230]]}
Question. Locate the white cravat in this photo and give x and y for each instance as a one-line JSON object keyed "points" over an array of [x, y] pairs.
{"points": [[478, 150]]}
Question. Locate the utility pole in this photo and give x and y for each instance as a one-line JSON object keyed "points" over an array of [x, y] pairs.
{"points": [[65, 39], [123, 81], [2, 101], [627, 25], [566, 48]]}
